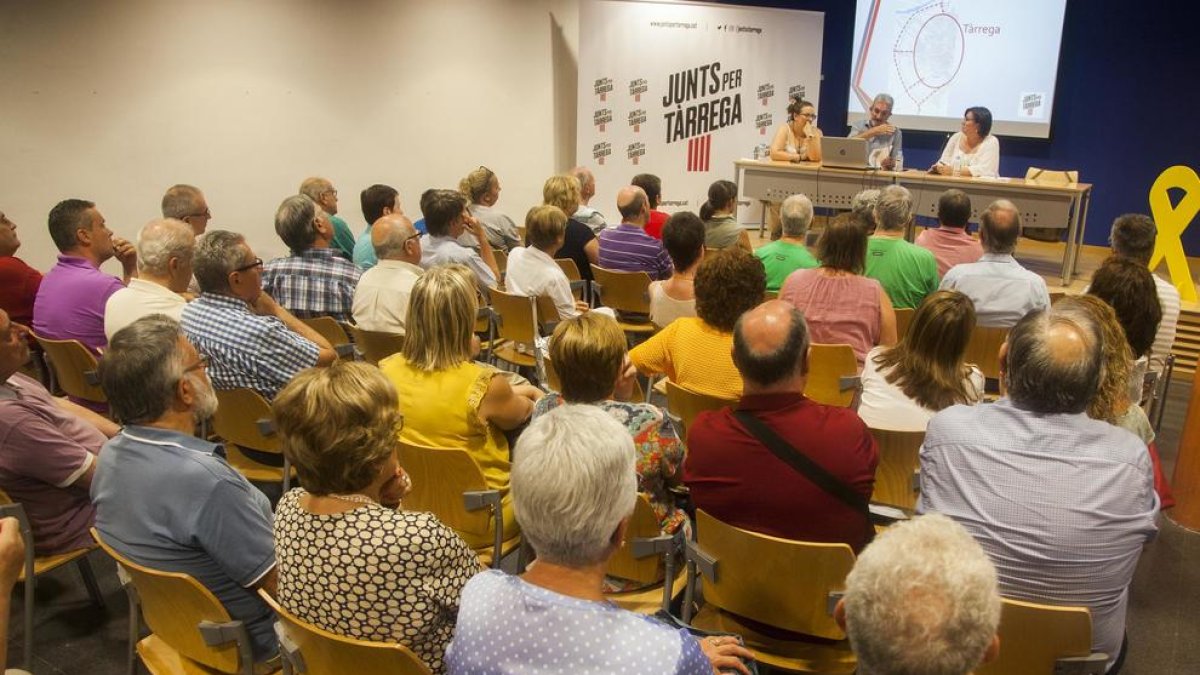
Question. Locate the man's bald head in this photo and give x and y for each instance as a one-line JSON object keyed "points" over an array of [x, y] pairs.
{"points": [[394, 238], [770, 344], [1052, 360], [633, 205], [1000, 227]]}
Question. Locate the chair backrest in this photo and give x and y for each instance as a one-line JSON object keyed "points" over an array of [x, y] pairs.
{"points": [[899, 458], [376, 345], [642, 525], [983, 349], [1033, 637], [1051, 176], [686, 404], [329, 328], [569, 268], [623, 291], [440, 476], [782, 583], [501, 260], [72, 363], [1055, 296], [314, 651], [515, 316], [904, 317], [832, 375], [239, 412], [174, 605]]}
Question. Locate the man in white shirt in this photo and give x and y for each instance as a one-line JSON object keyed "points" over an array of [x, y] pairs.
{"points": [[164, 260], [446, 218], [586, 214], [381, 297], [1001, 289], [1133, 236]]}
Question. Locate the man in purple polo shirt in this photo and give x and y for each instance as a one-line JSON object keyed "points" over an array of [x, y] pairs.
{"points": [[70, 302], [627, 247]]}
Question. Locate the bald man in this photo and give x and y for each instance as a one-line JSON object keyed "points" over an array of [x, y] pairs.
{"points": [[381, 297], [627, 247], [735, 476], [187, 203]]}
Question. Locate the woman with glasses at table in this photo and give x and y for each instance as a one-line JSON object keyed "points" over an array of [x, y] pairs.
{"points": [[972, 151], [799, 139], [481, 187]]}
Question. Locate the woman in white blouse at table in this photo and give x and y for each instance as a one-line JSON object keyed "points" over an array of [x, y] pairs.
{"points": [[974, 149]]}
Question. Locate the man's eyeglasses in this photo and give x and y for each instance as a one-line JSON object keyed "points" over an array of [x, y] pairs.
{"points": [[257, 263], [410, 238], [203, 214], [201, 362]]}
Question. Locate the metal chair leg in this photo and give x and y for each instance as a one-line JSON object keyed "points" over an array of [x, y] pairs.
{"points": [[89, 580]]}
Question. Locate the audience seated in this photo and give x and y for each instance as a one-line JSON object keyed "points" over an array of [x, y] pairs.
{"points": [[1133, 236], [736, 477], [350, 560], [377, 201], [1061, 503], [652, 186], [1128, 287], [481, 187], [48, 450], [903, 386], [70, 301], [321, 191], [627, 247], [840, 305], [381, 296], [532, 270], [907, 271], [719, 213], [187, 203], [1003, 291], [949, 241], [575, 490], [164, 262], [695, 352], [922, 598], [587, 189], [447, 218], [790, 252], [683, 238], [168, 500], [18, 281], [580, 245], [312, 281], [249, 339], [450, 401]]}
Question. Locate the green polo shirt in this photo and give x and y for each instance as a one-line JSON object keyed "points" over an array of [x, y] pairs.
{"points": [[907, 272], [781, 258]]}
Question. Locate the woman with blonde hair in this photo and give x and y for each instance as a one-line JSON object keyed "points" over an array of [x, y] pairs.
{"points": [[904, 385], [339, 427], [580, 243], [451, 401], [481, 187]]}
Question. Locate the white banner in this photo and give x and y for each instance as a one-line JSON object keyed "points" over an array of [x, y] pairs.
{"points": [[682, 90]]}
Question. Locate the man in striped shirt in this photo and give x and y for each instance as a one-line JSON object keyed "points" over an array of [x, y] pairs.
{"points": [[627, 247]]}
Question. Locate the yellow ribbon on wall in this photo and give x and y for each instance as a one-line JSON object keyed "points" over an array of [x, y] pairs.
{"points": [[1171, 221]]}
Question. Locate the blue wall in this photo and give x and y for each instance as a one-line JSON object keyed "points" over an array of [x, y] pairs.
{"points": [[1127, 104]]}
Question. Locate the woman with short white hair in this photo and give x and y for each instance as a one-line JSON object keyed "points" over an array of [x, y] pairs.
{"points": [[574, 489]]}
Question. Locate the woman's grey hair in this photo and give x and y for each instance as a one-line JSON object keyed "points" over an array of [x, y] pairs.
{"points": [[1050, 374], [294, 222], [922, 598], [218, 253], [894, 209], [796, 215], [573, 482], [141, 368], [865, 201], [162, 239]]}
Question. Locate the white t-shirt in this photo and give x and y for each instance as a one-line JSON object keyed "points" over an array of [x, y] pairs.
{"points": [[885, 406], [140, 298]]}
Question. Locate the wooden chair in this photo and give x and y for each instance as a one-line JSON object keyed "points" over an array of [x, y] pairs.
{"points": [[191, 632], [449, 483], [35, 566], [832, 375], [896, 475], [628, 294], [1045, 639], [516, 326], [788, 586], [904, 317], [501, 261], [243, 420], [1055, 296], [647, 556], [309, 650], [684, 404], [578, 285], [983, 350], [332, 330], [73, 368], [376, 346]]}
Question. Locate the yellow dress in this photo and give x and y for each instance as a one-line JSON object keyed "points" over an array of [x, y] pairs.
{"points": [[441, 410], [694, 355]]}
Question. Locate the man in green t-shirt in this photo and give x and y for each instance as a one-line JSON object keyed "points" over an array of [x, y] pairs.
{"points": [[321, 191], [907, 272], [788, 254]]}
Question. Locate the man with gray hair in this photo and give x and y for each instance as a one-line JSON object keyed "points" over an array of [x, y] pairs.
{"points": [[587, 189], [1061, 503], [312, 281], [187, 203], [168, 500], [884, 141], [790, 252], [1003, 291], [164, 261], [323, 194], [381, 297], [907, 272], [863, 203], [922, 598]]}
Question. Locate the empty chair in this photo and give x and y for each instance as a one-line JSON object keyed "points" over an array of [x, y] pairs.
{"points": [[984, 350], [243, 420], [896, 474], [516, 326], [376, 346], [647, 556], [684, 404], [832, 375], [333, 331], [628, 294], [904, 316], [1040, 639], [73, 368]]}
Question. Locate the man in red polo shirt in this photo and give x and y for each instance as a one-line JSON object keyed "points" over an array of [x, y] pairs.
{"points": [[734, 477], [18, 282], [652, 186]]}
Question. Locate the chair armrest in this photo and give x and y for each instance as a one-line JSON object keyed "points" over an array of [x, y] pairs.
{"points": [[832, 599], [916, 480], [644, 547], [705, 563], [481, 499], [265, 426], [848, 382], [885, 514], [289, 650], [1092, 664], [344, 350], [217, 634], [578, 284], [91, 377]]}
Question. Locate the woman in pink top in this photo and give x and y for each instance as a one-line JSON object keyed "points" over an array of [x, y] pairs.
{"points": [[840, 305]]}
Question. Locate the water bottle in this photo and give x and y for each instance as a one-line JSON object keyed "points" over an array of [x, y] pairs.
{"points": [[957, 168], [899, 162]]}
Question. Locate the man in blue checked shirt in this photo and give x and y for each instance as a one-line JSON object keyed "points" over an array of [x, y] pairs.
{"points": [[312, 281]]}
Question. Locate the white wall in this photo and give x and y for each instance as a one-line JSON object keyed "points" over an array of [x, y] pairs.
{"points": [[114, 101]]}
